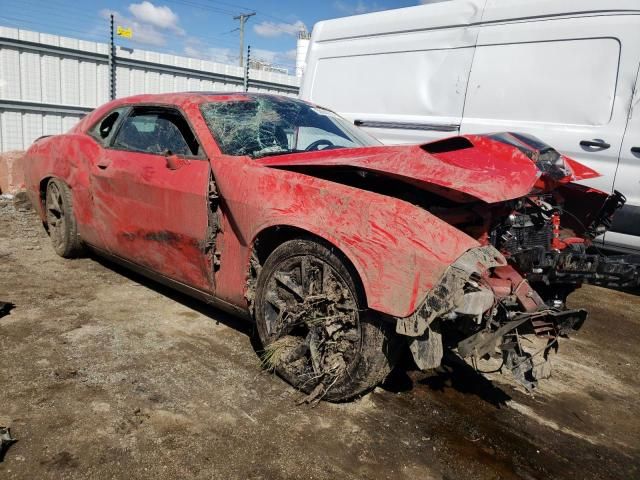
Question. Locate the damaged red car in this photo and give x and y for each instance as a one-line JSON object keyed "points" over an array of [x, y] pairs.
{"points": [[343, 251]]}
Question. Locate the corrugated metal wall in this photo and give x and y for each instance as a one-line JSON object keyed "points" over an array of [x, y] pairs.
{"points": [[48, 82]]}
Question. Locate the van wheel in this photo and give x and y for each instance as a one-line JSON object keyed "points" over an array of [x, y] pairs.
{"points": [[312, 326], [61, 221]]}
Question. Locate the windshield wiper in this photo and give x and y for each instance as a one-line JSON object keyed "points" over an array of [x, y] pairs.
{"points": [[273, 154], [332, 147], [287, 152]]}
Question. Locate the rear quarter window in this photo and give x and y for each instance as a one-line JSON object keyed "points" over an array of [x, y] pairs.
{"points": [[104, 129]]}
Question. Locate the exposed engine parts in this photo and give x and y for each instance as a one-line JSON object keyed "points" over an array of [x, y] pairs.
{"points": [[515, 287]]}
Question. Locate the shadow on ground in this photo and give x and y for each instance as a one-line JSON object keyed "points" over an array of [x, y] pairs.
{"points": [[215, 314], [454, 373]]}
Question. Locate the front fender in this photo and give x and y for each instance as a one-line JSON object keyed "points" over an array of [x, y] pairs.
{"points": [[399, 250]]}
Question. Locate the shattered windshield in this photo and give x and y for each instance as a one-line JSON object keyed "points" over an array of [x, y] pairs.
{"points": [[268, 125]]}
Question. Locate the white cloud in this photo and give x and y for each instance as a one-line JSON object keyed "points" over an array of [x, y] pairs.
{"points": [[159, 16], [142, 33], [197, 49], [190, 51], [279, 59], [150, 23], [357, 8], [291, 54], [222, 55], [268, 56], [272, 29]]}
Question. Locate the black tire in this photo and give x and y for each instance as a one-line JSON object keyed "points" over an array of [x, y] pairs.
{"points": [[61, 221], [313, 326]]}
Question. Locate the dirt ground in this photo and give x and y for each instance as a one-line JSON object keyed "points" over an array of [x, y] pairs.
{"points": [[104, 374]]}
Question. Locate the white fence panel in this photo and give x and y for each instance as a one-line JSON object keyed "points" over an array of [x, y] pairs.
{"points": [[48, 82]]}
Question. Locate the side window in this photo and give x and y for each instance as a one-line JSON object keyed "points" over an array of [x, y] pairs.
{"points": [[156, 130], [103, 131]]}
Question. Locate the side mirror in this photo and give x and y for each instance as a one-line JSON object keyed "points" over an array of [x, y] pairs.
{"points": [[174, 162]]}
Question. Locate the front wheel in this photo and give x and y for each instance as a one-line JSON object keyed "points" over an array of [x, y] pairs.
{"points": [[61, 221], [312, 325]]}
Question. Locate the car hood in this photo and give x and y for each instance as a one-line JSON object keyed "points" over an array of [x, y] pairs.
{"points": [[492, 168]]}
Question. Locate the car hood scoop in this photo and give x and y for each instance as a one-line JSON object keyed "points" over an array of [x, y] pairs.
{"points": [[463, 168]]}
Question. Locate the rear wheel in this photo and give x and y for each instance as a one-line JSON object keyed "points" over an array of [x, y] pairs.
{"points": [[312, 326], [61, 221]]}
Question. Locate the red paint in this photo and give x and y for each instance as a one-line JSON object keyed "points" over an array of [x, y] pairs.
{"points": [[580, 171], [478, 173], [135, 206]]}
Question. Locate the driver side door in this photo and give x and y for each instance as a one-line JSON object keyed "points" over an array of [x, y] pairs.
{"points": [[150, 195]]}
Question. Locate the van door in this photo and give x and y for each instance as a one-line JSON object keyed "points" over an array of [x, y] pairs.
{"points": [[568, 81], [400, 74], [625, 231]]}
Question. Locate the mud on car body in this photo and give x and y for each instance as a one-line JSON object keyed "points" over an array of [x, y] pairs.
{"points": [[342, 250]]}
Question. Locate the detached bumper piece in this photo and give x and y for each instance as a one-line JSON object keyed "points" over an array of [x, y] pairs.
{"points": [[526, 367], [5, 308], [6, 440]]}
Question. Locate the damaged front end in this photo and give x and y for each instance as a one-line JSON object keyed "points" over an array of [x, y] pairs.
{"points": [[531, 228], [481, 308], [505, 300]]}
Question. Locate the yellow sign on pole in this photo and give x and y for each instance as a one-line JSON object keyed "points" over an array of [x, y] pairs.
{"points": [[124, 32]]}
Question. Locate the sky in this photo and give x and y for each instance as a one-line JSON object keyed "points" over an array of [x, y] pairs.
{"points": [[196, 28]]}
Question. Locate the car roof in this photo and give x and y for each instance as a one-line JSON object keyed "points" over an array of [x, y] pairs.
{"points": [[179, 99], [182, 98]]}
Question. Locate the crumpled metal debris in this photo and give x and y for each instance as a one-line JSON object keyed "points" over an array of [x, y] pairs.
{"points": [[6, 440], [5, 308]]}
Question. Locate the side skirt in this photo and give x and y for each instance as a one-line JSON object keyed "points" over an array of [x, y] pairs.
{"points": [[179, 286]]}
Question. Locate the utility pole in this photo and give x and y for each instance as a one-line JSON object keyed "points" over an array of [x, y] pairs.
{"points": [[112, 63], [243, 19]]}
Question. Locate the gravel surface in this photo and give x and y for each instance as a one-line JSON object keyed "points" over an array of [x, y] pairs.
{"points": [[104, 374]]}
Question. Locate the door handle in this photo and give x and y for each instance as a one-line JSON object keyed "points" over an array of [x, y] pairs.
{"points": [[595, 143], [635, 150], [102, 164]]}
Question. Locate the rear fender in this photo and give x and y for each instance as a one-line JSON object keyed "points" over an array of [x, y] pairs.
{"points": [[68, 158]]}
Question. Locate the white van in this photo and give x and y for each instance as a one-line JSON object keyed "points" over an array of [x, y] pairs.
{"points": [[565, 71]]}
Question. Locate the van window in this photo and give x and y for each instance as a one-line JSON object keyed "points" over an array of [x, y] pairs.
{"points": [[568, 82], [424, 83]]}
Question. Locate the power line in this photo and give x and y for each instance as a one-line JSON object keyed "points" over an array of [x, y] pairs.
{"points": [[18, 21], [44, 27], [53, 3], [263, 14], [70, 19], [72, 27], [226, 58], [202, 6], [66, 20]]}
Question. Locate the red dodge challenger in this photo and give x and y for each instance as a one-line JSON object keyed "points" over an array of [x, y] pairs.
{"points": [[343, 251]]}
